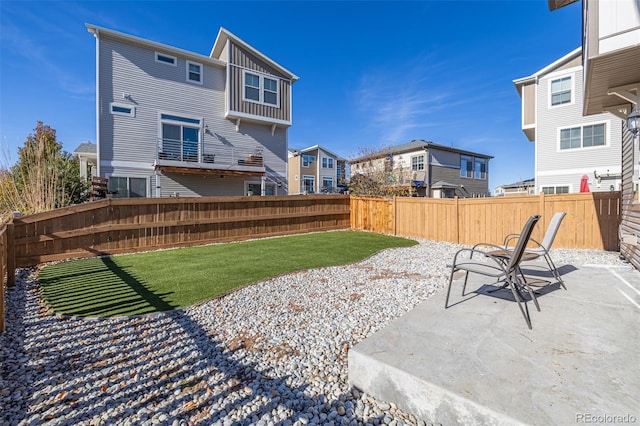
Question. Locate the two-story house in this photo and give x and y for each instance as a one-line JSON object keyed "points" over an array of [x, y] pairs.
{"points": [[427, 169], [568, 146], [611, 64], [315, 169], [172, 122]]}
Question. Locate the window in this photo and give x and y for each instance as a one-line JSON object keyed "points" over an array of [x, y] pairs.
{"points": [[481, 168], [128, 187], [417, 163], [270, 91], [252, 87], [583, 137], [307, 160], [327, 183], [123, 109], [194, 72], [166, 59], [561, 91], [550, 190], [466, 166], [327, 163], [261, 89], [180, 138], [308, 184], [255, 188]]}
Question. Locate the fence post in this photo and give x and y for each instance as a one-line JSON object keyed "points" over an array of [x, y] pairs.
{"points": [[457, 213], [11, 255]]}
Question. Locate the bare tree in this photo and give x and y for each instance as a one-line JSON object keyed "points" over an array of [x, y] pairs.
{"points": [[374, 172]]}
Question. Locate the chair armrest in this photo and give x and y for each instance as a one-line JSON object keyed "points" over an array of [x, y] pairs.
{"points": [[509, 238]]}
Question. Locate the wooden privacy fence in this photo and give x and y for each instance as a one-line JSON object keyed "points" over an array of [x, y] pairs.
{"points": [[592, 218], [114, 226]]}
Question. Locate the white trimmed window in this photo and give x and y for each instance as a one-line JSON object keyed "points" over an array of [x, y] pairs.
{"points": [[194, 72], [123, 109], [327, 163], [588, 136], [309, 184], [261, 89], [417, 163], [327, 183], [561, 90], [166, 59], [307, 160], [551, 190]]}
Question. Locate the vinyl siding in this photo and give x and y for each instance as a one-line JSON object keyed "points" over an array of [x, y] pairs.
{"points": [[529, 105], [241, 60], [189, 185], [553, 163], [294, 174], [630, 223], [155, 87]]}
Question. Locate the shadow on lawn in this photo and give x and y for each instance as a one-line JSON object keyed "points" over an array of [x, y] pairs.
{"points": [[101, 291], [82, 371]]}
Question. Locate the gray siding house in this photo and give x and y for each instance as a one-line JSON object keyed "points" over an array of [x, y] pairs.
{"points": [[568, 145], [427, 169], [315, 169], [172, 122]]}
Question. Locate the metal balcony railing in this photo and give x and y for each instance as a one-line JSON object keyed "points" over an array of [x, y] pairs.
{"points": [[197, 152]]}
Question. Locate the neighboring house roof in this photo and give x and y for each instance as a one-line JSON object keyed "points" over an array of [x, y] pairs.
{"points": [[221, 41], [313, 148], [86, 148], [416, 145], [519, 184], [557, 4], [552, 66]]}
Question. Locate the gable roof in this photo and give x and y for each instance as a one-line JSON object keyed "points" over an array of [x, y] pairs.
{"points": [[152, 45], [519, 184], [86, 148], [519, 82], [416, 145], [221, 41], [557, 4], [313, 148]]}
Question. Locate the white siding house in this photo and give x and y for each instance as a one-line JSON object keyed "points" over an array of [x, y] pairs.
{"points": [[568, 146], [172, 122]]}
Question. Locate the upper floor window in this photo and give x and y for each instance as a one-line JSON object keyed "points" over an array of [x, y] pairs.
{"points": [[261, 89], [466, 166], [583, 136], [327, 163], [307, 160], [123, 109], [166, 59], [194, 72], [481, 168], [417, 163], [561, 91]]}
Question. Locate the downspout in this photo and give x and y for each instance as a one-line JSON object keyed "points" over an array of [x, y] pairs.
{"points": [[263, 185], [96, 34], [158, 184], [427, 174]]}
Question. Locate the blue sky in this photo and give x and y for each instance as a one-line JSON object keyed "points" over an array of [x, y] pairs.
{"points": [[372, 74]]}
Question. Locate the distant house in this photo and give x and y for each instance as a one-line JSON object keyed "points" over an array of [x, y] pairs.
{"points": [[172, 122], [523, 187], [87, 155], [314, 169], [427, 169], [568, 146]]}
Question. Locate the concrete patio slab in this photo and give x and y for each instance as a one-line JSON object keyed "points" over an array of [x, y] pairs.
{"points": [[477, 363]]}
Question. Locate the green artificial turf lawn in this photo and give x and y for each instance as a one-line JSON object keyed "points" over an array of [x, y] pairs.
{"points": [[163, 280]]}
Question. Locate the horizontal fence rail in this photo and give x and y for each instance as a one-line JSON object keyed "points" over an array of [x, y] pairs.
{"points": [[592, 218], [115, 226]]}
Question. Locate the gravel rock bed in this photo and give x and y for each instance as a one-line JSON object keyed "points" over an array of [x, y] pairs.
{"points": [[271, 353]]}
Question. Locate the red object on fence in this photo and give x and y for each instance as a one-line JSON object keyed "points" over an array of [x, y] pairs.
{"points": [[584, 183]]}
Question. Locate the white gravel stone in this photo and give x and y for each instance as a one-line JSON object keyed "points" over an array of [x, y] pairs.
{"points": [[271, 353]]}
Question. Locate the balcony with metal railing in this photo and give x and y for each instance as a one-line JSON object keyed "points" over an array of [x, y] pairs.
{"points": [[196, 157]]}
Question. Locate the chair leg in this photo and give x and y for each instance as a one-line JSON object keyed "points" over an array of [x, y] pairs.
{"points": [[514, 290], [554, 270], [464, 286], [446, 302]]}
